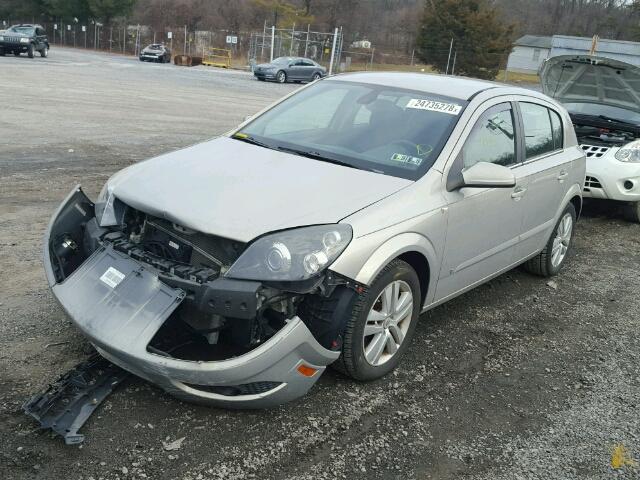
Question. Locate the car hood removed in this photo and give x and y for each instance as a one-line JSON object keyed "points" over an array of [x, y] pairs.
{"points": [[239, 191]]}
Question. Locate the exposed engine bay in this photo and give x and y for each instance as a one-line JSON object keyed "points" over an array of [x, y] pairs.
{"points": [[219, 317], [594, 131]]}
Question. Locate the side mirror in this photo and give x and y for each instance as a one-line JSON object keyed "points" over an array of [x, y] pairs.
{"points": [[488, 175]]}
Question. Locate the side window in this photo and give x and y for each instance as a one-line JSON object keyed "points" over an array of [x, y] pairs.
{"points": [[307, 63], [492, 139], [558, 134], [538, 136]]}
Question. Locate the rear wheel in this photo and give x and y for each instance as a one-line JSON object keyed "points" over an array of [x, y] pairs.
{"points": [[281, 77], [44, 53], [382, 323], [30, 51], [549, 262], [633, 212]]}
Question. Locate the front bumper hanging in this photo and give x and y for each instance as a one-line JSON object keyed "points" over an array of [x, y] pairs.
{"points": [[120, 304]]}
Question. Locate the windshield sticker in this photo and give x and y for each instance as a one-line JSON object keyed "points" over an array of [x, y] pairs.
{"points": [[433, 106], [406, 159]]}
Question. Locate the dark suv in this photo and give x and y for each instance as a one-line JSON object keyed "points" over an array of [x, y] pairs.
{"points": [[24, 39]]}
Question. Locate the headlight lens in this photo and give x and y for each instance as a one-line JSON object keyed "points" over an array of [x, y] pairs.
{"points": [[105, 213], [292, 255], [630, 153], [24, 40]]}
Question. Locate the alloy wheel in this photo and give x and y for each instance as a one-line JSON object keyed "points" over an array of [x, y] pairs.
{"points": [[387, 323], [562, 240]]}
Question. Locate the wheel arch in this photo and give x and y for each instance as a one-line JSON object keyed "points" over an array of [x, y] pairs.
{"points": [[576, 200], [412, 248]]}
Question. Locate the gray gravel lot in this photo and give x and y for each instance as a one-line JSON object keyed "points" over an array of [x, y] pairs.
{"points": [[518, 379]]}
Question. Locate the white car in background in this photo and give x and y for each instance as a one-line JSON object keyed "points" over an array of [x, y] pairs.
{"points": [[602, 96]]}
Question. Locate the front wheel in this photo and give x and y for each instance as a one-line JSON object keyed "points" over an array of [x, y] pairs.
{"points": [[549, 262], [44, 53], [30, 51], [382, 323], [633, 212], [281, 77], [316, 76]]}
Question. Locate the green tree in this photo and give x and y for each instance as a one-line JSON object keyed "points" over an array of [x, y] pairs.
{"points": [[481, 38]]}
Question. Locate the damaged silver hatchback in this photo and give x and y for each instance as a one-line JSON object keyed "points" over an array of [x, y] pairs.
{"points": [[234, 271]]}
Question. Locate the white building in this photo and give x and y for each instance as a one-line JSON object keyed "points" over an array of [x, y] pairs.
{"points": [[528, 54], [530, 51]]}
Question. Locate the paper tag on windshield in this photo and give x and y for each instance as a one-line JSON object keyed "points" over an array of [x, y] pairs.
{"points": [[112, 277], [406, 159], [434, 106]]}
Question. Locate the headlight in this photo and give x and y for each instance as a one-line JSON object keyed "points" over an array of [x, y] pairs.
{"points": [[629, 153], [105, 213], [292, 255], [24, 40], [1, 38]]}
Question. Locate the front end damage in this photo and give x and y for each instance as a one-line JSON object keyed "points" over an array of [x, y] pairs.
{"points": [[152, 297]]}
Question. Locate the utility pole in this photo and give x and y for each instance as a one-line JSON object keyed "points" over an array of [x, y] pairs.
{"points": [[293, 34], [449, 57], [333, 50], [306, 45], [184, 51], [453, 67], [273, 39]]}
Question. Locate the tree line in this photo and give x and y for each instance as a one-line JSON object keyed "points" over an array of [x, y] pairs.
{"points": [[482, 31]]}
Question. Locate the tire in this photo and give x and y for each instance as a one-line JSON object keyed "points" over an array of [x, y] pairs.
{"points": [[44, 53], [260, 79], [281, 77], [358, 359], [2, 52], [316, 76], [632, 212], [31, 51], [549, 262], [17, 54]]}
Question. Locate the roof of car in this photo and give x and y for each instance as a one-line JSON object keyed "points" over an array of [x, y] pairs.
{"points": [[447, 85]]}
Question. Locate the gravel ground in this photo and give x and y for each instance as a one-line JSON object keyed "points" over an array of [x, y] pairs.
{"points": [[518, 379]]}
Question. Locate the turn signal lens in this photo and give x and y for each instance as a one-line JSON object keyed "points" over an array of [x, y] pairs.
{"points": [[306, 370]]}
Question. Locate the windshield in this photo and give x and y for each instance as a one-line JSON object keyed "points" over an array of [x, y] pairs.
{"points": [[370, 127], [283, 60], [25, 30], [596, 109]]}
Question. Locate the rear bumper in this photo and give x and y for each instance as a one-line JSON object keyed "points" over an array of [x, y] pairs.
{"points": [[121, 320]]}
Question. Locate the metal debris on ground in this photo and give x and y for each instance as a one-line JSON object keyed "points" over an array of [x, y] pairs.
{"points": [[68, 402]]}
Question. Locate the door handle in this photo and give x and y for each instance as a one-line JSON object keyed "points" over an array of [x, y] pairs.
{"points": [[518, 193], [562, 176]]}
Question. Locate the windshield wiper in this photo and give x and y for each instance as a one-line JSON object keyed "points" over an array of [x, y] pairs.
{"points": [[251, 140], [316, 156]]}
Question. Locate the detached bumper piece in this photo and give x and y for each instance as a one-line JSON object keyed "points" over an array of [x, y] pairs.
{"points": [[67, 404]]}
